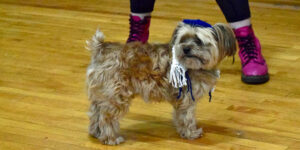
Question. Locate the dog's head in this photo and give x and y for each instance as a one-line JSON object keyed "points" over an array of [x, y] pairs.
{"points": [[200, 47]]}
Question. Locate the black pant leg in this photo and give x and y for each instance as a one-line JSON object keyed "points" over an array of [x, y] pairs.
{"points": [[234, 10], [141, 6]]}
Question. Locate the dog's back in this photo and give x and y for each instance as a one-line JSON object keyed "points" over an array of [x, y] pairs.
{"points": [[134, 66]]}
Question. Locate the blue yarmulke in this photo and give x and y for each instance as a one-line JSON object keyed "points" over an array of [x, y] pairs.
{"points": [[197, 23]]}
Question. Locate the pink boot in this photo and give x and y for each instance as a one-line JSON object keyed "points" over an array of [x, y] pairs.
{"points": [[139, 29], [254, 67]]}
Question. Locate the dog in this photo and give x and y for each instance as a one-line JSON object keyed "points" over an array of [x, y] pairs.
{"points": [[118, 72]]}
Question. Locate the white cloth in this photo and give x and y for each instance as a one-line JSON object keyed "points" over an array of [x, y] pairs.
{"points": [[177, 72], [141, 15], [239, 24]]}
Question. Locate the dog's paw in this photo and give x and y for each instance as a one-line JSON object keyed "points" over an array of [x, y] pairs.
{"points": [[94, 132], [116, 141], [191, 134]]}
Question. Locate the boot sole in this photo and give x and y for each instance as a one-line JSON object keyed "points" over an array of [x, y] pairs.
{"points": [[255, 79]]}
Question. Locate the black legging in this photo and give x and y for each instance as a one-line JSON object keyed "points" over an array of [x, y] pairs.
{"points": [[233, 10], [141, 6]]}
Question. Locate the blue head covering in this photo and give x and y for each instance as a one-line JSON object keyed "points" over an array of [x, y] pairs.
{"points": [[197, 23]]}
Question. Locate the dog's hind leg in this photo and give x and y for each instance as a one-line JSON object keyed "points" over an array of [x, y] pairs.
{"points": [[184, 118], [104, 119]]}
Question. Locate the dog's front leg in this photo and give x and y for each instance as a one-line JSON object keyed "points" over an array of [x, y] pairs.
{"points": [[104, 120], [184, 118]]}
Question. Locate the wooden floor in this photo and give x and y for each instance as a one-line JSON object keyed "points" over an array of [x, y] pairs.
{"points": [[43, 103]]}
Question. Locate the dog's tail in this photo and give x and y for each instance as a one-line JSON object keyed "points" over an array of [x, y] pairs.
{"points": [[95, 44]]}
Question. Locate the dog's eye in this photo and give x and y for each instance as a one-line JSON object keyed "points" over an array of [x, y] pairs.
{"points": [[198, 41]]}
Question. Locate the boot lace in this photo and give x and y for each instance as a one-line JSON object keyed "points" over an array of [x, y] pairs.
{"points": [[248, 48], [136, 29]]}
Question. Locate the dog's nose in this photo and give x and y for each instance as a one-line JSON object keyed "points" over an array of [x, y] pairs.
{"points": [[186, 50]]}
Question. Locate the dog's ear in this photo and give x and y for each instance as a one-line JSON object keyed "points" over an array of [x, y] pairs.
{"points": [[225, 39], [175, 33]]}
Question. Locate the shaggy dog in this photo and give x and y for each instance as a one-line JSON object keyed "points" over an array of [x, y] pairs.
{"points": [[118, 72]]}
